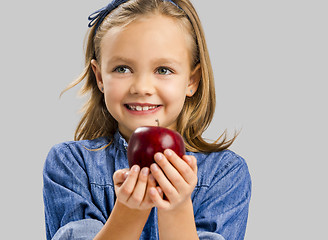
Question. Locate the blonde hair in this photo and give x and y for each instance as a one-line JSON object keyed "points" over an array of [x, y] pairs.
{"points": [[198, 110]]}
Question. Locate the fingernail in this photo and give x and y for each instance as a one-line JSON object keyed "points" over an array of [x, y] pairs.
{"points": [[151, 177], [152, 191], [159, 190], [158, 156], [145, 171], [154, 167], [135, 168], [168, 152], [126, 174], [188, 159]]}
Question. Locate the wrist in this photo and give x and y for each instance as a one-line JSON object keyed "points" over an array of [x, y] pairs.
{"points": [[124, 223], [179, 212], [177, 223], [182, 208], [123, 209]]}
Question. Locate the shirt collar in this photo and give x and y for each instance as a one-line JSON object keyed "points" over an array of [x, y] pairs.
{"points": [[120, 141]]}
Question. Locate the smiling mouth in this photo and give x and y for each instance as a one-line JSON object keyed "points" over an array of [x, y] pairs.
{"points": [[140, 108]]}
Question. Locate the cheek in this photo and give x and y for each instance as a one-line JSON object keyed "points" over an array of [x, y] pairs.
{"points": [[114, 92], [174, 92], [174, 98]]}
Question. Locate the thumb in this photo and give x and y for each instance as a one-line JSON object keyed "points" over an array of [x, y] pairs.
{"points": [[120, 176]]}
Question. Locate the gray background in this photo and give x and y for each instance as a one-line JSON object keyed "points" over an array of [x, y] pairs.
{"points": [[270, 62]]}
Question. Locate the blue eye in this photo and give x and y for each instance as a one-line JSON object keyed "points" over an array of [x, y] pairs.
{"points": [[122, 69], [163, 71]]}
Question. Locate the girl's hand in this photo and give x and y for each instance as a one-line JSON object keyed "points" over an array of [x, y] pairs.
{"points": [[176, 177], [131, 187]]}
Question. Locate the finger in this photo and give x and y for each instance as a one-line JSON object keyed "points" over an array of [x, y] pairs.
{"points": [[170, 171], [151, 181], [160, 191], [128, 185], [191, 161], [164, 183], [139, 191], [120, 175], [157, 198], [184, 169], [191, 177]]}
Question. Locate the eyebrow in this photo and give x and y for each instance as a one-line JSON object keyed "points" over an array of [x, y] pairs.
{"points": [[120, 59], [167, 61], [130, 61]]}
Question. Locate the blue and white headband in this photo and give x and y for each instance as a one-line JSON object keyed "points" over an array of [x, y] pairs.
{"points": [[98, 16]]}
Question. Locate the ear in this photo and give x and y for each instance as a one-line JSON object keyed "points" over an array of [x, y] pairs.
{"points": [[96, 70], [194, 80]]}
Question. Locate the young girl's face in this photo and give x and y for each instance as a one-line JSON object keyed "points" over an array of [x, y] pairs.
{"points": [[145, 73]]}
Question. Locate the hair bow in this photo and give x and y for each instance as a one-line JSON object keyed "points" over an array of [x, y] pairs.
{"points": [[99, 15]]}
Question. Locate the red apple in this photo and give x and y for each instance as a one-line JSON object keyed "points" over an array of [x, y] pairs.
{"points": [[146, 141]]}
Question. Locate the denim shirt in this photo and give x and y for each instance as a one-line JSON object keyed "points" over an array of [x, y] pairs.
{"points": [[79, 194]]}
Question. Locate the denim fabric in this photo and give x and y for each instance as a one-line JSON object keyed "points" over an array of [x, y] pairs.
{"points": [[79, 192], [82, 229]]}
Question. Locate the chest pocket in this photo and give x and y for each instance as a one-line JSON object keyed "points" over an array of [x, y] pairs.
{"points": [[103, 196]]}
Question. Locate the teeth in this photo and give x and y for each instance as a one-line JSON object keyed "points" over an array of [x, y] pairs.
{"points": [[141, 108]]}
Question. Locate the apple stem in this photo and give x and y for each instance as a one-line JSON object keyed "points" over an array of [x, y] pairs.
{"points": [[157, 122]]}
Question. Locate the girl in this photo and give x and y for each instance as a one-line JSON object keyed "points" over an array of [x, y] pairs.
{"points": [[145, 60]]}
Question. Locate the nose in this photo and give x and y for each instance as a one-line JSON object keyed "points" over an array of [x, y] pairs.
{"points": [[143, 85]]}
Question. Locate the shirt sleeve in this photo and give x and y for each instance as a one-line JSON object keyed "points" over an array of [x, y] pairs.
{"points": [[209, 236], [223, 211], [83, 230], [68, 204]]}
